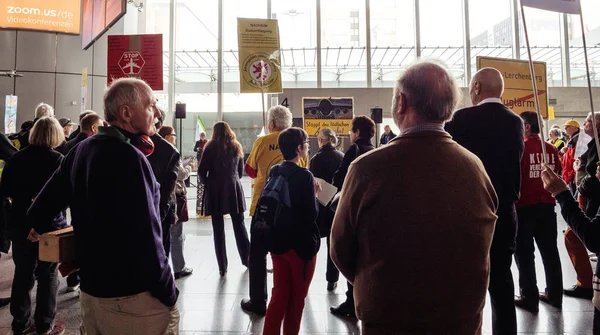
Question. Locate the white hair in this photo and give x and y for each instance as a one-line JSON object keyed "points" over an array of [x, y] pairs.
{"points": [[556, 132], [596, 118], [281, 116], [430, 89], [329, 136], [122, 91], [43, 109]]}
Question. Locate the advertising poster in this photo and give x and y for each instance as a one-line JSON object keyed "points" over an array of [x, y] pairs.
{"points": [[259, 56], [334, 113], [61, 16], [84, 78], [137, 56], [518, 89], [10, 114]]}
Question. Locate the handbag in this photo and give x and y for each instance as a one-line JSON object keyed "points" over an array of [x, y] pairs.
{"points": [[182, 208]]}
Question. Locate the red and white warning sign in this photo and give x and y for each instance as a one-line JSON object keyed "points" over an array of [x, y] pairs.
{"points": [[139, 56], [131, 63]]}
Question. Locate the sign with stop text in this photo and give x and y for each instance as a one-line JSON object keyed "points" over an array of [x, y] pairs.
{"points": [[136, 56], [518, 89], [259, 56]]}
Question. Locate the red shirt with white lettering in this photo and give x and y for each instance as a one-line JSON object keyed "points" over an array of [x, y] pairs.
{"points": [[532, 188]]}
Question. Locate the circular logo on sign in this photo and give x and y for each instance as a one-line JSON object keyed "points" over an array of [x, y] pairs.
{"points": [[258, 70]]}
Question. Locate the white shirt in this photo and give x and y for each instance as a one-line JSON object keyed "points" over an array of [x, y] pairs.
{"points": [[485, 101]]}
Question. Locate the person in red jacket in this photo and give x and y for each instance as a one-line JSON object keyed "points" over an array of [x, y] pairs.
{"points": [[568, 158], [537, 221]]}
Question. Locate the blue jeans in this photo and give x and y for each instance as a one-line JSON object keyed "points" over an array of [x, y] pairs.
{"points": [[177, 240]]}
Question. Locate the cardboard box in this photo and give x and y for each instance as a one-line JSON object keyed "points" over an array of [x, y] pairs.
{"points": [[58, 246]]}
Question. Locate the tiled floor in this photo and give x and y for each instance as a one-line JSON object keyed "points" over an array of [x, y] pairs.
{"points": [[211, 305]]}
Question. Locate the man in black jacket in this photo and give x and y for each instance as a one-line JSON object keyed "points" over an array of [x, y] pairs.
{"points": [[495, 134], [88, 127], [6, 151], [78, 130], [165, 164], [363, 129]]}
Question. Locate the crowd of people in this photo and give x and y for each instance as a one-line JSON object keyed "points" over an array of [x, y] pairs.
{"points": [[389, 230]]}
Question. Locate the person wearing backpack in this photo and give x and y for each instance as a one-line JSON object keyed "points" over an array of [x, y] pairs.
{"points": [[363, 129], [294, 240]]}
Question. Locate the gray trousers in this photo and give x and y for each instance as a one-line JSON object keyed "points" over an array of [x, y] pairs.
{"points": [[177, 239]]}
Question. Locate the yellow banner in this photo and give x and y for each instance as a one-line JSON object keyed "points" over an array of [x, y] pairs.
{"points": [[341, 127], [259, 56], [328, 112], [84, 77], [518, 89]]}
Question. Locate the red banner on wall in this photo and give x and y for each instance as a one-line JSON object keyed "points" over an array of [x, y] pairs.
{"points": [[137, 56]]}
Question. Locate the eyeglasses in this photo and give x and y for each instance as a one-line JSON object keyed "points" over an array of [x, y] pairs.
{"points": [[174, 135]]}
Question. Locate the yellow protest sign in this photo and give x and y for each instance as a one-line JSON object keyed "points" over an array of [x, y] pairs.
{"points": [[84, 77], [518, 89], [259, 56], [325, 112]]}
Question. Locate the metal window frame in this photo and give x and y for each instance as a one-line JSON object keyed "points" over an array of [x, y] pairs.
{"points": [[417, 13], [368, 42], [467, 43], [515, 45], [565, 50]]}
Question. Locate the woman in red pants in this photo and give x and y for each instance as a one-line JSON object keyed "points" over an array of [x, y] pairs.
{"points": [[294, 250]]}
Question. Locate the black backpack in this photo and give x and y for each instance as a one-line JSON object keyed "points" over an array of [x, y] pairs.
{"points": [[273, 215]]}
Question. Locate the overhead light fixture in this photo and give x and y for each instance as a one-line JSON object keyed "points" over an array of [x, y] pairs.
{"points": [[139, 6], [11, 74]]}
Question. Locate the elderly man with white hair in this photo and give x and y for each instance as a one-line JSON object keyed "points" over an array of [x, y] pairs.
{"points": [[264, 155], [126, 283], [21, 139], [403, 205]]}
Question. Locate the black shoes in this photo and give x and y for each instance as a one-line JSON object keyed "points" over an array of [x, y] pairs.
{"points": [[183, 273], [331, 286], [345, 309], [4, 302], [28, 330], [556, 304], [528, 304], [579, 292], [249, 307]]}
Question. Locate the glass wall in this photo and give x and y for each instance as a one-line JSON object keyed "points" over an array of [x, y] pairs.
{"points": [[443, 44], [490, 28], [343, 43], [392, 40], [543, 28], [298, 37], [196, 53], [343, 49], [155, 20], [591, 25]]}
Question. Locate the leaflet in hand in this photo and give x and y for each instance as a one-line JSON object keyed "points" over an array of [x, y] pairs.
{"points": [[327, 192]]}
